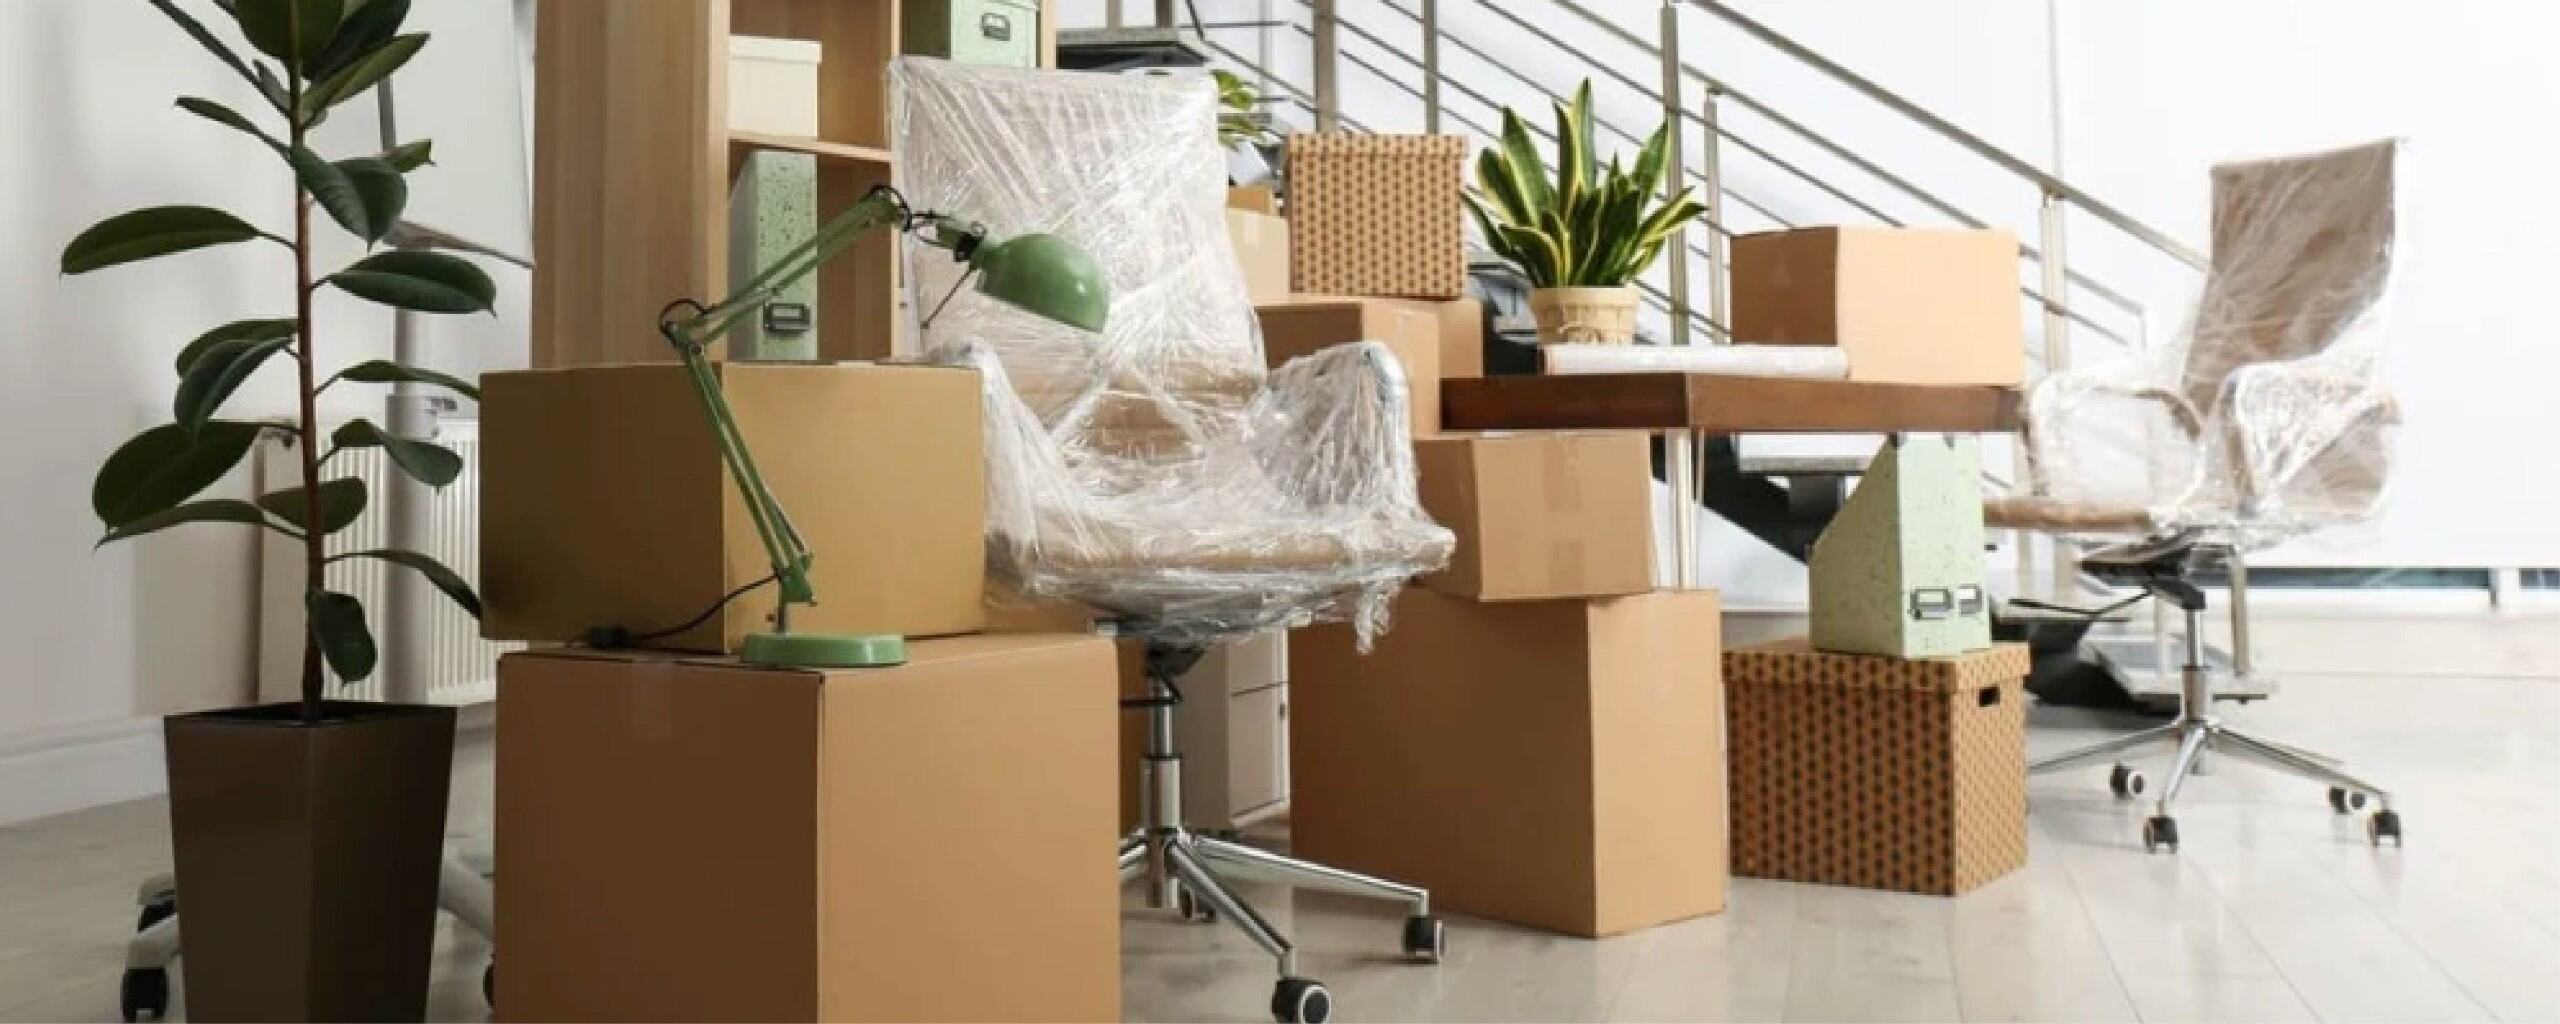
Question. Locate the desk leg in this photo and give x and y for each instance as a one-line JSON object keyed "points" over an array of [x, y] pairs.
{"points": [[1680, 463]]}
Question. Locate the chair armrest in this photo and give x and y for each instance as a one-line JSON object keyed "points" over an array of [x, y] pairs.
{"points": [[2073, 437], [2311, 438], [1335, 426]]}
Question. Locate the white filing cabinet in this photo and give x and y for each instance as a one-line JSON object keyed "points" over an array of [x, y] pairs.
{"points": [[1232, 730]]}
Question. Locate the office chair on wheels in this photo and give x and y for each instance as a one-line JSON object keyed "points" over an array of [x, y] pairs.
{"points": [[1156, 472], [2267, 421]]}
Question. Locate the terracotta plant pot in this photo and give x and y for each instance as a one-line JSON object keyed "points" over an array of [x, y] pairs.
{"points": [[1584, 316], [307, 857]]}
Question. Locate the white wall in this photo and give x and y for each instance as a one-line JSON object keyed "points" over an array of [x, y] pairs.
{"points": [[96, 641]]}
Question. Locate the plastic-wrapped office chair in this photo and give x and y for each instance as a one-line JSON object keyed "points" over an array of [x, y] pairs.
{"points": [[1156, 472], [2269, 421]]}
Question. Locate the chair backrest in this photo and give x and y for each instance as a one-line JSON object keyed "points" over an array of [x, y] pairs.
{"points": [[2302, 250], [1127, 167], [2302, 257]]}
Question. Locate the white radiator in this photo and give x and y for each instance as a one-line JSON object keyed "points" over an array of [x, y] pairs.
{"points": [[432, 651]]}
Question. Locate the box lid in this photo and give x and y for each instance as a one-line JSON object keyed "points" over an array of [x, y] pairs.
{"points": [[792, 51], [1793, 661]]}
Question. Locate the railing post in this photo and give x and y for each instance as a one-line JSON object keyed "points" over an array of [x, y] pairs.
{"points": [[2055, 265], [1679, 447], [1327, 54], [1111, 17], [1164, 14], [1431, 67], [1711, 167]]}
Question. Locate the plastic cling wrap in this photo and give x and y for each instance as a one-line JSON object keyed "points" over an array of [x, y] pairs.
{"points": [[1153, 471], [2268, 418]]}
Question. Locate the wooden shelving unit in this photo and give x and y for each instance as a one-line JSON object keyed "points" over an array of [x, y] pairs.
{"points": [[633, 157]]}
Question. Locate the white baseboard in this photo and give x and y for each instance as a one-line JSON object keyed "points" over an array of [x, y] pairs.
{"points": [[57, 770], [60, 769]]}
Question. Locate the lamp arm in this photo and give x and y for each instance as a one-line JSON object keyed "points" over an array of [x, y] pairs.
{"points": [[881, 207]]}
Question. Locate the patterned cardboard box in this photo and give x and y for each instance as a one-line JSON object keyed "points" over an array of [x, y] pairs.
{"points": [[1377, 215], [1877, 772]]}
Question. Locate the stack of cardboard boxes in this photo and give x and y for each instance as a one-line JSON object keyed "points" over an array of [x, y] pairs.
{"points": [[681, 836], [1537, 736]]}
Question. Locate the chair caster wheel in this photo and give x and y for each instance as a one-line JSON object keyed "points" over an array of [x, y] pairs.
{"points": [[145, 994], [1425, 938], [1192, 908], [1301, 1001], [2125, 782], [2160, 832], [2345, 801], [2385, 824]]}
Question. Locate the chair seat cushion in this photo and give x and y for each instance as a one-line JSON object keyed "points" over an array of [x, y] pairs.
{"points": [[2060, 515]]}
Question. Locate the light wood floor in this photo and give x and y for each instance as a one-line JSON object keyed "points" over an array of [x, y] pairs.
{"points": [[2275, 909]]}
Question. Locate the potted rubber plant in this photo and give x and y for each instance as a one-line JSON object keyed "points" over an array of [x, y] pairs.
{"points": [[1583, 237], [307, 834]]}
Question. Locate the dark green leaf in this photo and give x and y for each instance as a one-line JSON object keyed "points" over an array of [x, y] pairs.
{"points": [[1649, 161], [157, 231], [427, 282], [217, 373], [1528, 173], [383, 190], [203, 37], [273, 89], [355, 78], [335, 192], [447, 580], [233, 331], [216, 510], [337, 625], [384, 371], [1495, 180], [425, 461], [369, 24], [227, 117], [409, 156], [292, 31], [341, 501], [166, 465]]}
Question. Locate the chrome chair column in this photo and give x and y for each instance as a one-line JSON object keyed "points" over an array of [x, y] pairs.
{"points": [[1183, 869]]}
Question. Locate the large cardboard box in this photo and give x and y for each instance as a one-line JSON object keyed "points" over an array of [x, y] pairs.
{"points": [[1262, 252], [1886, 773], [1302, 324], [1557, 764], [1911, 305], [692, 839], [1547, 514], [1461, 333], [604, 500], [1378, 215]]}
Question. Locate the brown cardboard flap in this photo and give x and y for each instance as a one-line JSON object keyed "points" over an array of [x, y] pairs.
{"points": [[1794, 662]]}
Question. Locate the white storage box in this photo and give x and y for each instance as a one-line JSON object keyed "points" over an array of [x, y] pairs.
{"points": [[773, 85]]}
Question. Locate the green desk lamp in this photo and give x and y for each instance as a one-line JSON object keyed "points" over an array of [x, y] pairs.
{"points": [[1041, 274]]}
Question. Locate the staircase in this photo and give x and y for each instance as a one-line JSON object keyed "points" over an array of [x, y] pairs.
{"points": [[1413, 52]]}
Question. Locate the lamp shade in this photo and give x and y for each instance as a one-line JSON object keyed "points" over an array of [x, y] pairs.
{"points": [[1046, 275]]}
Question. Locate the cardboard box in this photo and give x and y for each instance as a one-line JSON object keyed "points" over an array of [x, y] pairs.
{"points": [[693, 839], [1461, 333], [1257, 198], [1377, 215], [1303, 324], [1549, 514], [1911, 305], [1262, 252], [1899, 571], [1556, 764], [1883, 773], [604, 500]]}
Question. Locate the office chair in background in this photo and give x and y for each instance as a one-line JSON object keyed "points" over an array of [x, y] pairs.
{"points": [[1156, 472], [2268, 421]]}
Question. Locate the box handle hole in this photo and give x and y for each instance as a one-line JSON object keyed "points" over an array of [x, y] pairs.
{"points": [[1988, 697]]}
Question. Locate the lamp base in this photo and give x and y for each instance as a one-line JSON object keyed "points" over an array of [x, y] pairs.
{"points": [[824, 650]]}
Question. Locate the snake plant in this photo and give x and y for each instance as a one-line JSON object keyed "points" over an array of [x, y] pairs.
{"points": [[1592, 226], [322, 53]]}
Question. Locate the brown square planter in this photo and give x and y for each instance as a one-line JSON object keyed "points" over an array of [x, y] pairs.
{"points": [[307, 858]]}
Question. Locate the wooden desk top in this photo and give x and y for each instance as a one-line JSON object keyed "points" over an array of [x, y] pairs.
{"points": [[1722, 404]]}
